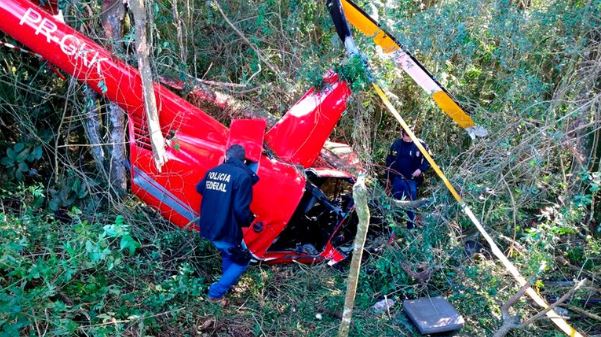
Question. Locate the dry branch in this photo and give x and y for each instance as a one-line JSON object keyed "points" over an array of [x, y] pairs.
{"points": [[410, 203], [422, 276], [583, 312], [360, 198], [180, 34], [562, 299], [150, 106], [512, 322], [201, 94], [247, 41]]}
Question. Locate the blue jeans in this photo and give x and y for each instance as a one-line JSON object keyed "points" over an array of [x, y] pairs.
{"points": [[230, 270], [407, 189]]}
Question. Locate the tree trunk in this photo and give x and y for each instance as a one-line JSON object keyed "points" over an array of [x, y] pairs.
{"points": [[112, 16], [150, 106], [183, 51], [360, 198], [92, 129], [118, 171], [113, 13]]}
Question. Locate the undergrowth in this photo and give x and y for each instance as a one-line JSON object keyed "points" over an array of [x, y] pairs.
{"points": [[76, 260], [109, 275]]}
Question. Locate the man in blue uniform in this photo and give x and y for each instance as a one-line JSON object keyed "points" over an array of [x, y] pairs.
{"points": [[225, 208], [406, 166]]}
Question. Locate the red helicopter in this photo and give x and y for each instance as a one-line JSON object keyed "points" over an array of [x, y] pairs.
{"points": [[303, 206]]}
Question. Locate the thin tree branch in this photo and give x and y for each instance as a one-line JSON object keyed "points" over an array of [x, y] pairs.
{"points": [[243, 37], [562, 299]]}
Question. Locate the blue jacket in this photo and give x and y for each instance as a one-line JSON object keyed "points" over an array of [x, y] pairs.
{"points": [[404, 158], [226, 196]]}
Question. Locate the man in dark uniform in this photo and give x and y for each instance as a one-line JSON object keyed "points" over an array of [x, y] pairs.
{"points": [[225, 208], [406, 166]]}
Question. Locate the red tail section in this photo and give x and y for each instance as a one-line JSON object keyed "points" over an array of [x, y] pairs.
{"points": [[300, 135]]}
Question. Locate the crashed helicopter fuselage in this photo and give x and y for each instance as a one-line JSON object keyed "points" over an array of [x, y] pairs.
{"points": [[302, 205]]}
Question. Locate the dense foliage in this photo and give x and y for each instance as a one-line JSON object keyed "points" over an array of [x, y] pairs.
{"points": [[77, 260]]}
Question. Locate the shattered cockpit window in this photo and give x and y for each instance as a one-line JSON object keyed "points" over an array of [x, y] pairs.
{"points": [[323, 215]]}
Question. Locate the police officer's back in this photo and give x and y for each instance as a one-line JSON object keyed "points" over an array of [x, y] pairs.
{"points": [[226, 196]]}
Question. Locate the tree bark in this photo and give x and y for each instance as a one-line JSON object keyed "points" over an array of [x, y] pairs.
{"points": [[360, 198], [113, 13], [118, 170], [183, 51], [92, 129], [150, 106]]}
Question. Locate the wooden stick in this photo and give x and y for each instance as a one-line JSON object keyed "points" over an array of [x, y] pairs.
{"points": [[113, 14], [562, 299]]}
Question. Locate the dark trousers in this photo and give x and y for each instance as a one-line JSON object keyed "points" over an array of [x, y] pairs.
{"points": [[405, 189], [231, 270]]}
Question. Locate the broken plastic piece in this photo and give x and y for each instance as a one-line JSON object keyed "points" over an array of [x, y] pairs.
{"points": [[383, 305], [477, 131]]}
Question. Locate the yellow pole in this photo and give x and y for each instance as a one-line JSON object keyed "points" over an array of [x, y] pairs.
{"points": [[560, 322]]}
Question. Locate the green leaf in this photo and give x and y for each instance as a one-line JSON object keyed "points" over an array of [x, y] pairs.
{"points": [[12, 329], [54, 204], [82, 193], [127, 242], [9, 304], [68, 201], [22, 155], [66, 327], [37, 191], [36, 154], [110, 231], [76, 185], [10, 153], [95, 253], [23, 167], [7, 162]]}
